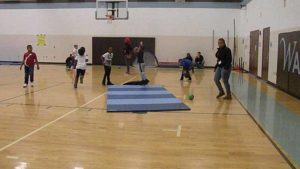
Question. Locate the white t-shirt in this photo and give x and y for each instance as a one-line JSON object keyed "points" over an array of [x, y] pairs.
{"points": [[74, 52], [107, 58], [81, 62]]}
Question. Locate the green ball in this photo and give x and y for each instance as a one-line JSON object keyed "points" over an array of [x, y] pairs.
{"points": [[191, 97]]}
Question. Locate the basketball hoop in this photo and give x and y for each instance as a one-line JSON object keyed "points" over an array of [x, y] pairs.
{"points": [[110, 18], [111, 10]]}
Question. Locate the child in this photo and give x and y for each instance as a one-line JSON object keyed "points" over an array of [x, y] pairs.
{"points": [[80, 63], [69, 62], [186, 67], [29, 61], [107, 61], [141, 64], [199, 61], [75, 51], [127, 53], [189, 57]]}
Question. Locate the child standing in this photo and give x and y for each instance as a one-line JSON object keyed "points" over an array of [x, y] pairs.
{"points": [[141, 64], [80, 63], [29, 61], [107, 61], [127, 54]]}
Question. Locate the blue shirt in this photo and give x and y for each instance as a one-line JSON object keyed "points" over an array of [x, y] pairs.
{"points": [[186, 63]]}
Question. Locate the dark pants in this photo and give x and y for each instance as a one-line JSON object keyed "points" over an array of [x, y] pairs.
{"points": [[29, 72], [128, 64], [223, 74], [107, 70], [199, 65], [186, 73], [79, 73], [69, 64]]}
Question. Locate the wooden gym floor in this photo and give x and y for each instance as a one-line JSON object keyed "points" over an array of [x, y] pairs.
{"points": [[53, 126]]}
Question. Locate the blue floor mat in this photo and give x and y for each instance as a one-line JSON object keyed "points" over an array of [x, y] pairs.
{"points": [[142, 99]]}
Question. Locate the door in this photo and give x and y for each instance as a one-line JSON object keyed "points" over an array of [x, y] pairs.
{"points": [[265, 53], [101, 44], [254, 42]]}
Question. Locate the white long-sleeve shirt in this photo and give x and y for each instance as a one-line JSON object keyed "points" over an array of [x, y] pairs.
{"points": [[107, 57]]}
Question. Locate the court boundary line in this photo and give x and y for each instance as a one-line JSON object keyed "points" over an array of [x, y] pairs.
{"points": [[58, 84], [282, 153], [177, 130], [94, 108], [55, 120], [48, 106]]}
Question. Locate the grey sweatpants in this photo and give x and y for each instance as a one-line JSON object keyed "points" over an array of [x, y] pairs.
{"points": [[141, 68]]}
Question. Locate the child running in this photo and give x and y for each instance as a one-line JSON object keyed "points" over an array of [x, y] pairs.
{"points": [[80, 64], [29, 60], [107, 61]]}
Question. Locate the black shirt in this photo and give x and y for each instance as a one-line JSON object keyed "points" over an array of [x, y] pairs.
{"points": [[224, 58], [189, 58], [199, 59], [127, 50]]}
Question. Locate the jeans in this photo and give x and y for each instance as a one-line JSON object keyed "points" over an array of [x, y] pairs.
{"points": [[142, 71], [199, 65], [107, 70], [29, 72], [224, 74]]}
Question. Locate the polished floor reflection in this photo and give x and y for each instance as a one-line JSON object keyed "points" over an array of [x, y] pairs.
{"points": [[280, 119], [54, 126]]}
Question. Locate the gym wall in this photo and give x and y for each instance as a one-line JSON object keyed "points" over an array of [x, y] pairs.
{"points": [[281, 16], [176, 31]]}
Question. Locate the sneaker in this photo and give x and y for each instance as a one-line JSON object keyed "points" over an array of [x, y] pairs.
{"points": [[220, 94], [32, 85], [25, 85], [146, 81], [110, 83], [228, 97]]}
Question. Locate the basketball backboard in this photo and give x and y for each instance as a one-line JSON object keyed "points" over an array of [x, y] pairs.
{"points": [[111, 10]]}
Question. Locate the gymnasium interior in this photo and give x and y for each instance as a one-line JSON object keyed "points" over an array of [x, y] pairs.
{"points": [[172, 121]]}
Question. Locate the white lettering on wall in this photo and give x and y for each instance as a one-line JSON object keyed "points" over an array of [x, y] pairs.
{"points": [[296, 68], [290, 57]]}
